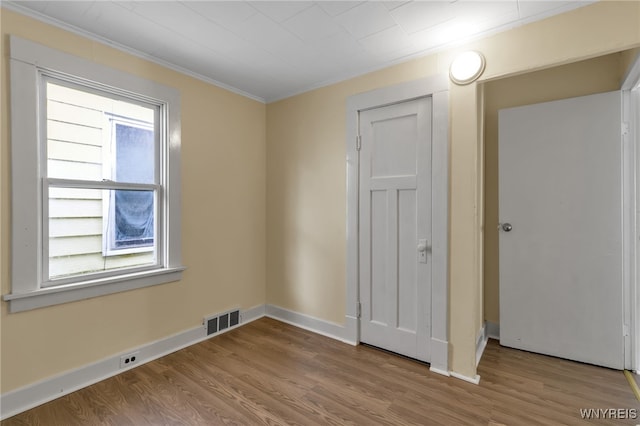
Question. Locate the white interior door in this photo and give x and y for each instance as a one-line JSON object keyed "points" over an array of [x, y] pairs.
{"points": [[395, 218], [560, 178]]}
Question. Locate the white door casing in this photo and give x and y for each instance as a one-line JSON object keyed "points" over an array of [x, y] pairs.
{"points": [[631, 183], [560, 188], [395, 227], [435, 87]]}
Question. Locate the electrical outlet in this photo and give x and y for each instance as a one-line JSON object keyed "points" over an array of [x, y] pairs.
{"points": [[128, 360]]}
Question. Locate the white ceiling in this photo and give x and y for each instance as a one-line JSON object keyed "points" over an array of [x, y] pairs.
{"points": [[269, 50]]}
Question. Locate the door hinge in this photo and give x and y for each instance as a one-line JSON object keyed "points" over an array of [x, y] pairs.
{"points": [[358, 310], [625, 128], [358, 142], [625, 330]]}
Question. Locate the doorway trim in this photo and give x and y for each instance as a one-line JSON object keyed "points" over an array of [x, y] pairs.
{"points": [[438, 88], [631, 216]]}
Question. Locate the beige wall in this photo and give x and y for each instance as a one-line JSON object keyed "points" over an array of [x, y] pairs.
{"points": [[601, 74], [223, 228], [306, 166], [627, 59]]}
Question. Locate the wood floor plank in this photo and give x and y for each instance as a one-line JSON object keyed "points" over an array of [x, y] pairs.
{"points": [[270, 373]]}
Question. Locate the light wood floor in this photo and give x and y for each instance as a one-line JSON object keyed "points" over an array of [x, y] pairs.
{"points": [[267, 372]]}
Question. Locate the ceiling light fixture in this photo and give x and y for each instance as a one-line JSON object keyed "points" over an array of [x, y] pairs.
{"points": [[466, 67]]}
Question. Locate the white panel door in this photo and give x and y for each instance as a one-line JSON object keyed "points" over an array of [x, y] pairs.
{"points": [[561, 289], [395, 218]]}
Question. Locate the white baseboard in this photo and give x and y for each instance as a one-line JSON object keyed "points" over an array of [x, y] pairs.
{"points": [[493, 330], [345, 333], [253, 314], [481, 343], [441, 372], [475, 379], [30, 396]]}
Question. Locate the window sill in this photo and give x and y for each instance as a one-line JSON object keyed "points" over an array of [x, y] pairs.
{"points": [[19, 302]]}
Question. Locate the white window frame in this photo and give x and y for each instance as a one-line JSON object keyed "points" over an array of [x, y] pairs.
{"points": [[28, 62]]}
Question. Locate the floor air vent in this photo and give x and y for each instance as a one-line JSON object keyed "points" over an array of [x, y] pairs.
{"points": [[220, 322], [234, 318], [212, 325]]}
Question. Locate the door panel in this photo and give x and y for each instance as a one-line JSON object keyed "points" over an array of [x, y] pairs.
{"points": [[407, 272], [393, 156], [395, 213], [379, 255], [561, 264]]}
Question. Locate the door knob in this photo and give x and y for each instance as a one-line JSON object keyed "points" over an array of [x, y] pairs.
{"points": [[422, 250], [506, 227]]}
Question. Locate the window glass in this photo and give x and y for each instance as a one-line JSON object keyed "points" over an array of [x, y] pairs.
{"points": [[94, 137], [133, 211], [133, 219], [76, 235], [134, 154]]}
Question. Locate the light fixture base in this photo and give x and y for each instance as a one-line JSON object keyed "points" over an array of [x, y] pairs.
{"points": [[467, 67]]}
